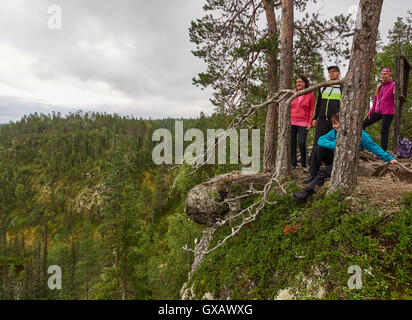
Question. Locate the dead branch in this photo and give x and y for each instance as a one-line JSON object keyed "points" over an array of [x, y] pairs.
{"points": [[254, 210], [348, 35], [404, 167], [242, 118], [313, 88], [384, 170], [366, 156], [243, 77]]}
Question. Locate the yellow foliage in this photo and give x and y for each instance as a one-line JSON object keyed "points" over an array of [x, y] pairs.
{"points": [[147, 181]]}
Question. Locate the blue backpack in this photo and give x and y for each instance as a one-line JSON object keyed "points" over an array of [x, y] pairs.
{"points": [[404, 148]]}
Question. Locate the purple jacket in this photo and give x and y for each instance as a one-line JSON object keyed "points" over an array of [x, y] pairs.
{"points": [[384, 101]]}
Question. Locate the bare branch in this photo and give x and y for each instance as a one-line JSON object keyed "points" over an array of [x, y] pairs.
{"points": [[348, 35], [259, 204], [404, 167], [313, 88], [241, 119]]}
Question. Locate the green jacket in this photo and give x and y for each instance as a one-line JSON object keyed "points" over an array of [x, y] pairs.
{"points": [[327, 102]]}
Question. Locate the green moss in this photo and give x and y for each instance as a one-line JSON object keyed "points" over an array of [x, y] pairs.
{"points": [[333, 235], [407, 199]]}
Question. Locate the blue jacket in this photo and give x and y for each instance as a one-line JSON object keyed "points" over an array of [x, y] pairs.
{"points": [[328, 141]]}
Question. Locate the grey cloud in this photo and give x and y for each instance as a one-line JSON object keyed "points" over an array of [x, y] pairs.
{"points": [[151, 39], [151, 62], [13, 108]]}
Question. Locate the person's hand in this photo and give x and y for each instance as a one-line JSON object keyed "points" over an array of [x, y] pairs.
{"points": [[394, 161], [309, 127], [314, 123]]}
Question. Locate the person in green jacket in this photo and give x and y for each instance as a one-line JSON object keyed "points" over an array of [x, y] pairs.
{"points": [[328, 142], [327, 104]]}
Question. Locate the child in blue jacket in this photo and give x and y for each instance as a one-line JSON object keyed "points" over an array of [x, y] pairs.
{"points": [[328, 142]]}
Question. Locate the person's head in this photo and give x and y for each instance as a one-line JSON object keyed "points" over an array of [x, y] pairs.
{"points": [[301, 82], [386, 75], [335, 121], [334, 72]]}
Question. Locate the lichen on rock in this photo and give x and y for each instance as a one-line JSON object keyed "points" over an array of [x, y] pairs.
{"points": [[205, 203]]}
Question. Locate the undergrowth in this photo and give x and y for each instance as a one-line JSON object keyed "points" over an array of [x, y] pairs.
{"points": [[309, 247]]}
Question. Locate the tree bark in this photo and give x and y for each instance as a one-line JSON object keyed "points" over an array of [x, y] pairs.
{"points": [[44, 261], [269, 148], [354, 100], [283, 168]]}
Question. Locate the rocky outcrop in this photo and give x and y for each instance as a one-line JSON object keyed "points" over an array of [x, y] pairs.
{"points": [[207, 202]]}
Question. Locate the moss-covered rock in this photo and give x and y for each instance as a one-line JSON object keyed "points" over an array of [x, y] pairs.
{"points": [[206, 203]]}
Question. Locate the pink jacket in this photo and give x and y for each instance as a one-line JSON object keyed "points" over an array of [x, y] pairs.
{"points": [[302, 110], [384, 101]]}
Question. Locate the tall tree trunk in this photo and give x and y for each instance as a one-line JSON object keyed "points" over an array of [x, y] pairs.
{"points": [[44, 262], [283, 168], [87, 270], [269, 148], [38, 278], [355, 93], [124, 265], [73, 286]]}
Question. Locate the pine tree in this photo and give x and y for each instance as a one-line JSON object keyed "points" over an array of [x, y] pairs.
{"points": [[354, 99], [27, 285], [160, 193], [242, 56], [88, 265], [120, 229], [38, 277]]}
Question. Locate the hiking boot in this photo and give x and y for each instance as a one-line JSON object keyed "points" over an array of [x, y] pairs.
{"points": [[301, 195], [308, 179]]}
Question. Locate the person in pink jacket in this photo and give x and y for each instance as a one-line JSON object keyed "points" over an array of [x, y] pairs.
{"points": [[301, 120], [383, 107]]}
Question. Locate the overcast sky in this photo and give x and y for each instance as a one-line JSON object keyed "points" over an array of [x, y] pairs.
{"points": [[131, 57]]}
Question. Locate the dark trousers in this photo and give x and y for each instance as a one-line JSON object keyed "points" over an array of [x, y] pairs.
{"points": [[320, 178], [386, 123], [300, 134], [323, 126], [319, 155]]}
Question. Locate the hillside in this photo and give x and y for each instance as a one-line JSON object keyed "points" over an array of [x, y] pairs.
{"points": [[82, 193], [304, 252]]}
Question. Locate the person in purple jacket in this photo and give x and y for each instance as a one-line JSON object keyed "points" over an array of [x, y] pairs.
{"points": [[383, 107]]}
